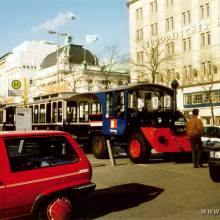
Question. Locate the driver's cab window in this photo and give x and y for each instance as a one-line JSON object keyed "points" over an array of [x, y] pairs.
{"points": [[119, 104], [144, 101], [109, 105]]}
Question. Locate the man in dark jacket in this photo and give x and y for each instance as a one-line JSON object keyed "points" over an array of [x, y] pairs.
{"points": [[194, 131]]}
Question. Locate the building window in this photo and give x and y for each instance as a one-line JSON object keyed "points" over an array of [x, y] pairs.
{"points": [[186, 17], [208, 36], [184, 45], [140, 57], [139, 13], [169, 24], [154, 29], [204, 11], [139, 35], [189, 16], [169, 3], [187, 71], [207, 10], [188, 99], [187, 44], [197, 98], [170, 49], [205, 39], [202, 38], [153, 7]]}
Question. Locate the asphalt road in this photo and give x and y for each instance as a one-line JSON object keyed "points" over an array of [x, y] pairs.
{"points": [[157, 190]]}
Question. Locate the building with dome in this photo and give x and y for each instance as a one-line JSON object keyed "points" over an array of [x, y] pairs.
{"points": [[76, 69]]}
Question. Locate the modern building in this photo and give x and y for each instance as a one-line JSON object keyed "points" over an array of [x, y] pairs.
{"points": [[22, 63], [183, 36]]}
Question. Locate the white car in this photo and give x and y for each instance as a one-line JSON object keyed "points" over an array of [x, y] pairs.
{"points": [[210, 137]]}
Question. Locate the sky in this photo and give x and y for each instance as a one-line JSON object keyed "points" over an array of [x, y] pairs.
{"points": [[27, 20]]}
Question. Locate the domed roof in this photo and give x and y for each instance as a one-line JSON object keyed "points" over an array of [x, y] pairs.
{"points": [[74, 53]]}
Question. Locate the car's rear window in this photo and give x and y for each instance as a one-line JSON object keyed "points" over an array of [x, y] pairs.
{"points": [[39, 152]]}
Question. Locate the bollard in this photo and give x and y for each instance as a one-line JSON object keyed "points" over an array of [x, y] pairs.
{"points": [[111, 156]]}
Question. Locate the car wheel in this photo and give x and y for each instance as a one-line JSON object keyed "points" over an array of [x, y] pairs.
{"points": [[59, 208], [214, 173], [138, 149], [99, 147]]}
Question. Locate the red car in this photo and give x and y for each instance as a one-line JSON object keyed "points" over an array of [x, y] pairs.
{"points": [[42, 173]]}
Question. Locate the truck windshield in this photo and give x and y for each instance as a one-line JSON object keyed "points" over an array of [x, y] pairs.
{"points": [[149, 101]]}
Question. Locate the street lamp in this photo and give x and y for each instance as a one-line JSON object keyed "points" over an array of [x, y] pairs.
{"points": [[58, 39]]}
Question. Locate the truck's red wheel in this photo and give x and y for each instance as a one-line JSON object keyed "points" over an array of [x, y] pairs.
{"points": [[138, 149], [59, 209], [99, 147]]}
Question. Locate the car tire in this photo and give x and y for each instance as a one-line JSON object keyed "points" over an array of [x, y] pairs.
{"points": [[214, 173], [59, 208], [99, 147], [138, 150]]}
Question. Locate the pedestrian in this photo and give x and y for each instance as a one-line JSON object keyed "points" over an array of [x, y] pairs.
{"points": [[194, 131]]}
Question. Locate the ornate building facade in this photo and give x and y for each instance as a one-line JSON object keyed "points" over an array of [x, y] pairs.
{"points": [[186, 37]]}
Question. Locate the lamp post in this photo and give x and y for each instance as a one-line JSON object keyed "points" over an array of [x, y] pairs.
{"points": [[58, 39]]}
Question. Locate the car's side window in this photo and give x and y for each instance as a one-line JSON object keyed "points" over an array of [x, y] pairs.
{"points": [[39, 152]]}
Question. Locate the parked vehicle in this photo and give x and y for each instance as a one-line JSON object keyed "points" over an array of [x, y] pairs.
{"points": [[214, 163], [42, 173], [210, 138]]}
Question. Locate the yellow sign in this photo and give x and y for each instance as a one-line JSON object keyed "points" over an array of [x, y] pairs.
{"points": [[16, 84]]}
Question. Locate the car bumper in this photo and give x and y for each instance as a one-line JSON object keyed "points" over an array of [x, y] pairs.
{"points": [[85, 189], [214, 163]]}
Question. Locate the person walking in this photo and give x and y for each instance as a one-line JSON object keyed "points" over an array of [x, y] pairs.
{"points": [[194, 130]]}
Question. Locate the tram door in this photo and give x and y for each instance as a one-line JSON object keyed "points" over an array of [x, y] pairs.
{"points": [[115, 122]]}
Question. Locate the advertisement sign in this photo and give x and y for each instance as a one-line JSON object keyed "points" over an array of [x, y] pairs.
{"points": [[23, 119]]}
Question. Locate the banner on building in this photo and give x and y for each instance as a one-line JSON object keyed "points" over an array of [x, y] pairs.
{"points": [[15, 87]]}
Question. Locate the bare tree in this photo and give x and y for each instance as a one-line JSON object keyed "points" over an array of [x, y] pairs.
{"points": [[111, 56], [151, 59], [210, 97]]}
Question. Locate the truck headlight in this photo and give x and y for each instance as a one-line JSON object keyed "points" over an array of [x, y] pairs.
{"points": [[212, 154], [159, 120], [217, 155]]}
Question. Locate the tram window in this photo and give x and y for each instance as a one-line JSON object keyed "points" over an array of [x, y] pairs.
{"points": [[48, 113], [83, 111], [54, 112], [1, 116], [42, 113], [119, 104], [60, 111], [71, 113], [167, 101], [96, 108], [109, 105], [32, 118], [36, 114]]}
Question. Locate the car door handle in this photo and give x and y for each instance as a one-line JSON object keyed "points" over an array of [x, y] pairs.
{"points": [[1, 183]]}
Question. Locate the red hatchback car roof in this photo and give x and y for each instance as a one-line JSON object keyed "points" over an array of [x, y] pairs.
{"points": [[7, 134]]}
